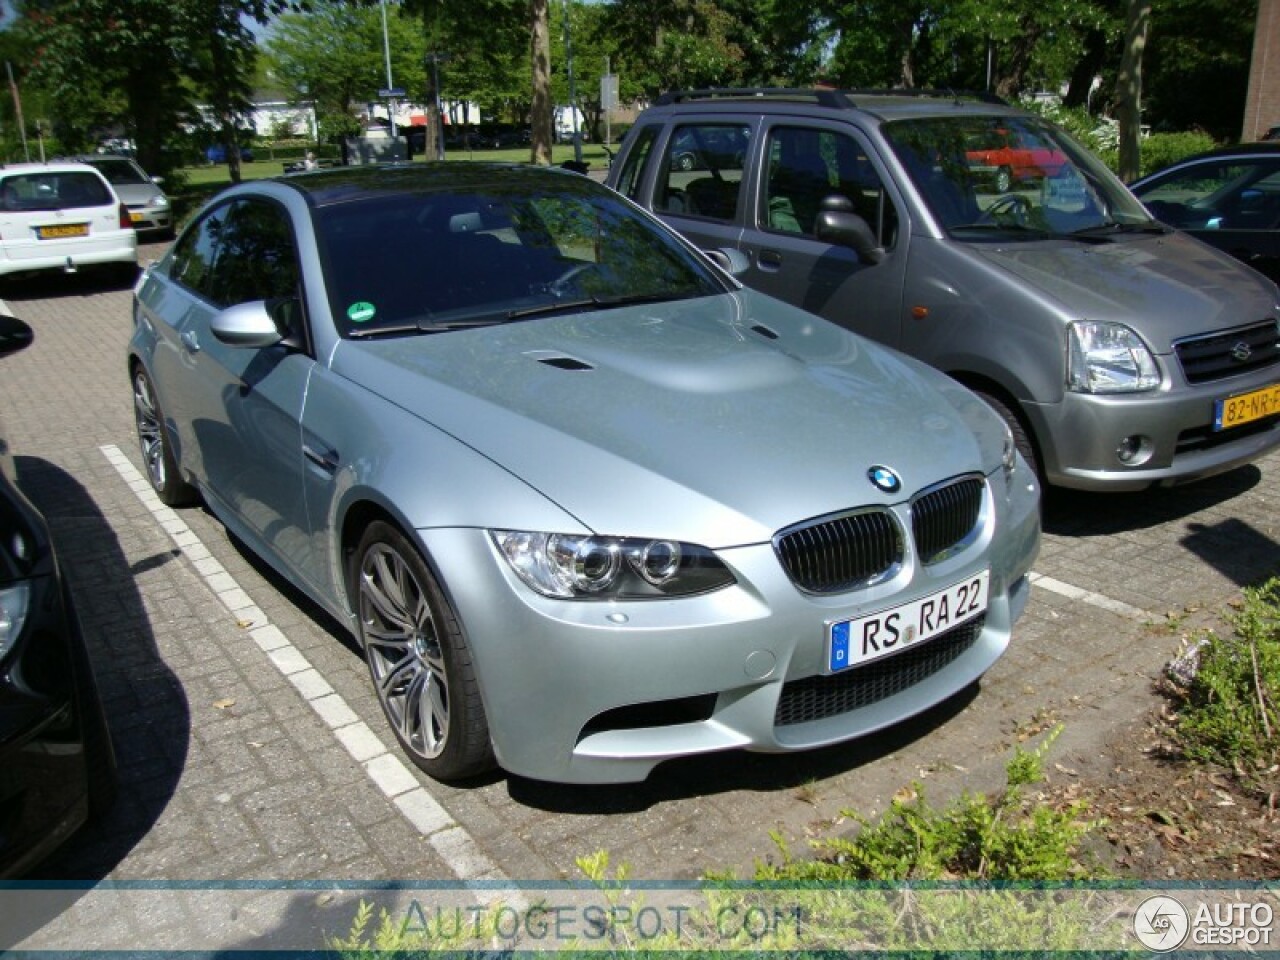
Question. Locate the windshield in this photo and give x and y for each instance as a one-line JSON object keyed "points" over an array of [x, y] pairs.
{"points": [[1009, 178], [497, 252], [120, 171]]}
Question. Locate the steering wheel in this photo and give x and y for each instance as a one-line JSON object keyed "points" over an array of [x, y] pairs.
{"points": [[1012, 207]]}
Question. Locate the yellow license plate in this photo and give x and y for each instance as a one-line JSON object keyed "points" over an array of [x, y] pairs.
{"points": [[134, 216], [1237, 411], [63, 230]]}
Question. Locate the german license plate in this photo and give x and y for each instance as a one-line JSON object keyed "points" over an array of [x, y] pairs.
{"points": [[1235, 411], [851, 643], [63, 230]]}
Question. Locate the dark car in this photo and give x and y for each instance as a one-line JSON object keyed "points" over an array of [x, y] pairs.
{"points": [[217, 153], [1229, 198], [57, 766]]}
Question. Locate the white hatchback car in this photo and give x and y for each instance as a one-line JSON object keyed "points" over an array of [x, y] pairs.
{"points": [[62, 216]]}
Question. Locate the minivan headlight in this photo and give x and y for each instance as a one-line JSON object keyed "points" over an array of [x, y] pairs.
{"points": [[576, 566], [1108, 358]]}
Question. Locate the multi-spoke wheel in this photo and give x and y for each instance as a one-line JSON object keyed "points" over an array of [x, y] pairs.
{"points": [[157, 451], [418, 659]]}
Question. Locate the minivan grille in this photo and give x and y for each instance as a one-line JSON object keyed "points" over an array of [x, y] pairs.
{"points": [[838, 553], [1228, 353], [815, 698], [945, 516]]}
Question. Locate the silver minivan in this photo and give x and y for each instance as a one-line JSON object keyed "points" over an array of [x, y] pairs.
{"points": [[985, 241]]}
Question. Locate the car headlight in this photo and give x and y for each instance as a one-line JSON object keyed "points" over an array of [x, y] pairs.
{"points": [[14, 600], [1009, 454], [1108, 358], [574, 566], [160, 202]]}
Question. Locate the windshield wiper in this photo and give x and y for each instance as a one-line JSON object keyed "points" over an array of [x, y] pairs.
{"points": [[1019, 228], [591, 303], [1115, 228]]}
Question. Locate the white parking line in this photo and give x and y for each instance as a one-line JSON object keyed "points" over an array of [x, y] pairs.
{"points": [[385, 770], [1089, 596]]}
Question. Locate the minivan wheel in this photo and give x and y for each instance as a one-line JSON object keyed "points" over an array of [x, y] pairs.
{"points": [[1021, 437], [157, 449], [418, 659]]}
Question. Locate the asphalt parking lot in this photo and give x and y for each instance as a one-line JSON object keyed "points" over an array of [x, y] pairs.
{"points": [[252, 747]]}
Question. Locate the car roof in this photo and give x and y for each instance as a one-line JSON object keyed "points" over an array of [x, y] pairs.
{"points": [[1263, 148], [53, 166], [882, 104], [342, 184]]}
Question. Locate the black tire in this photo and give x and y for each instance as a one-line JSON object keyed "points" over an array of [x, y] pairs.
{"points": [[1021, 436], [418, 659], [157, 449]]}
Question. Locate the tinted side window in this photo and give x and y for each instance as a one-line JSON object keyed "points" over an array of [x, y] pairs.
{"points": [[194, 254], [1227, 195], [629, 178], [807, 165], [257, 260], [700, 172]]}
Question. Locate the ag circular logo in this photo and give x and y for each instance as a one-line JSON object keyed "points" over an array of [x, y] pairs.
{"points": [[884, 479], [1161, 923]]}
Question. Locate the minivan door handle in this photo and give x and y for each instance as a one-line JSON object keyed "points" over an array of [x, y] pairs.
{"points": [[769, 260]]}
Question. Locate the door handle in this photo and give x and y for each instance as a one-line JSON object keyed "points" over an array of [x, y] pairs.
{"points": [[769, 259], [190, 341], [326, 460]]}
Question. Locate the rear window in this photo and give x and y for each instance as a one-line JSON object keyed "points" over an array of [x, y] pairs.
{"points": [[48, 190]]}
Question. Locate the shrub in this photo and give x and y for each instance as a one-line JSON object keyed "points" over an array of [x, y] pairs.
{"points": [[1229, 712]]}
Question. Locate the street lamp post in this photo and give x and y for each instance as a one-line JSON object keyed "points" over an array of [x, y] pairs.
{"points": [[573, 93]]}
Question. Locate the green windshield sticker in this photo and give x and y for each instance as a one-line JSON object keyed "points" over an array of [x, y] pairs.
{"points": [[361, 312]]}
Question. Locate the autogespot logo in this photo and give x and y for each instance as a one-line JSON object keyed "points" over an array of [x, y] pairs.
{"points": [[1161, 923]]}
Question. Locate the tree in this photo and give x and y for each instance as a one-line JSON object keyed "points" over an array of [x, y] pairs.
{"points": [[1129, 86], [540, 67], [333, 57]]}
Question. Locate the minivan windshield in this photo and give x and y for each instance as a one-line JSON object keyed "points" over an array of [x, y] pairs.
{"points": [[1011, 178]]}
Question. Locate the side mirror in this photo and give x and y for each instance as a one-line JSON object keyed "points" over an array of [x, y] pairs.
{"points": [[731, 261], [246, 325], [14, 335], [838, 224]]}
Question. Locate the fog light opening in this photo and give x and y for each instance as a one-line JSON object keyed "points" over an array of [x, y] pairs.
{"points": [[1135, 450]]}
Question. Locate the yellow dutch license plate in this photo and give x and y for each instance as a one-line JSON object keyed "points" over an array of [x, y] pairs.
{"points": [[63, 230], [1255, 405], [135, 216]]}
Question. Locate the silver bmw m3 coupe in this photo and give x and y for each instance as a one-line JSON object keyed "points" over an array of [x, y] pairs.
{"points": [[586, 503]]}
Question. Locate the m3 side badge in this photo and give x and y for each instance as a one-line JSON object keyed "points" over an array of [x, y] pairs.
{"points": [[884, 479]]}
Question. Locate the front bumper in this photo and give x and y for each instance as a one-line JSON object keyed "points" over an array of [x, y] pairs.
{"points": [[1084, 432], [599, 692], [149, 220]]}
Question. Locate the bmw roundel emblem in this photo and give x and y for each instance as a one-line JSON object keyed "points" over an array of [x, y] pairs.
{"points": [[884, 479]]}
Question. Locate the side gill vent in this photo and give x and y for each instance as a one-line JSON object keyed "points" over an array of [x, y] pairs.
{"points": [[558, 360], [764, 332]]}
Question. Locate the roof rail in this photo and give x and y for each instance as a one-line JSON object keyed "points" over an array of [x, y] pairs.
{"points": [[981, 96], [822, 96]]}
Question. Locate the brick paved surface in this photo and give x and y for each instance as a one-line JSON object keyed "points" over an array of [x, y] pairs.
{"points": [[227, 773]]}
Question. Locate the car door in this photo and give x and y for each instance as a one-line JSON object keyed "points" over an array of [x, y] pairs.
{"points": [[801, 164], [1230, 203], [244, 404]]}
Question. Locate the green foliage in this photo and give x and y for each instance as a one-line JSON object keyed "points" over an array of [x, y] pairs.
{"points": [[1161, 149], [976, 838], [1230, 712]]}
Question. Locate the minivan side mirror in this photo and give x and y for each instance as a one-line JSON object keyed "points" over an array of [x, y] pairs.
{"points": [[14, 335], [729, 259], [838, 224]]}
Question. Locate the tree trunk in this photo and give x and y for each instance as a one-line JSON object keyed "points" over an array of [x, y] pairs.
{"points": [[1129, 87], [540, 114], [1086, 69]]}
